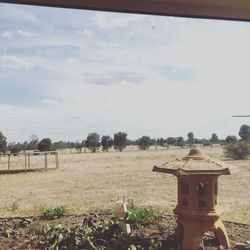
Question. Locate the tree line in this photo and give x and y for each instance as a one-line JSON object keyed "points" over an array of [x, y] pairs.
{"points": [[119, 141]]}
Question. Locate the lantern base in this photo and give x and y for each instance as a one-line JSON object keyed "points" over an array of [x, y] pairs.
{"points": [[189, 232]]}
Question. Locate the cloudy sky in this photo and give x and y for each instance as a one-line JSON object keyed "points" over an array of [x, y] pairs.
{"points": [[65, 73]]}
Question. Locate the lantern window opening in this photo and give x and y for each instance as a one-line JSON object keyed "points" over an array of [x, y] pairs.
{"points": [[201, 189]]}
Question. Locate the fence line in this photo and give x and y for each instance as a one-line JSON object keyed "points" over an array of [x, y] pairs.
{"points": [[27, 159]]}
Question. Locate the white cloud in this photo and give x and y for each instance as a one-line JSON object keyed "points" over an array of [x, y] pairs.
{"points": [[109, 21], [25, 33], [7, 34], [13, 62], [85, 32], [49, 101]]}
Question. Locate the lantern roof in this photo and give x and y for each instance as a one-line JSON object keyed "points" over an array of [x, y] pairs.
{"points": [[195, 163]]}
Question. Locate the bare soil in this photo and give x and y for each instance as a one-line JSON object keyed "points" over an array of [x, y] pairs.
{"points": [[21, 236]]}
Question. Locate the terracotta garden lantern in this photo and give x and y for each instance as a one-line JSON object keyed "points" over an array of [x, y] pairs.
{"points": [[197, 209]]}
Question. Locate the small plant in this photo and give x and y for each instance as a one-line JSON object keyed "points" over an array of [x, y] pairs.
{"points": [[39, 228], [5, 229], [54, 213], [168, 226], [13, 206], [139, 215]]}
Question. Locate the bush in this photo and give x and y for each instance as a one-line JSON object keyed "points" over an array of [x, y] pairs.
{"points": [[144, 142], [120, 141], [231, 139], [54, 213], [92, 142], [3, 143], [106, 142], [237, 151], [45, 145]]}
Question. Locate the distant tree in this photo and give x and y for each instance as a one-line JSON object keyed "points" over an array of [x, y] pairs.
{"points": [[231, 139], [93, 142], [131, 142], [120, 141], [78, 147], [45, 145], [244, 132], [3, 143], [60, 145], [180, 142], [15, 148], [84, 145], [214, 138], [161, 142], [33, 142], [144, 142], [237, 151], [190, 138], [171, 141], [71, 145], [106, 142]]}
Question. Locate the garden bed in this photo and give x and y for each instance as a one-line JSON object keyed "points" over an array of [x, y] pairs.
{"points": [[100, 231]]}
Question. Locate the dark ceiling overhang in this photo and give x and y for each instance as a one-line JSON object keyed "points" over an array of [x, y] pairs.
{"points": [[215, 9]]}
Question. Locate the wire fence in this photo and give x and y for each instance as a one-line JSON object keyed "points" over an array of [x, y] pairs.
{"points": [[28, 161]]}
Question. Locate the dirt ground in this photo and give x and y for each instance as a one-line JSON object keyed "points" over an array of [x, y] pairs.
{"points": [[23, 236], [95, 181]]}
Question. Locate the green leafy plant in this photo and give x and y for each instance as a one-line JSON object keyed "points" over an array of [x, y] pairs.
{"points": [[54, 213], [89, 235], [139, 215]]}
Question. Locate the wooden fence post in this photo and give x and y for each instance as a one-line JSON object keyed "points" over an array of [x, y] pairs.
{"points": [[46, 161], [57, 161], [25, 161], [8, 161], [28, 160]]}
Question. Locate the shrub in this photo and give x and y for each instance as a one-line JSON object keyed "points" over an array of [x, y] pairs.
{"points": [[3, 143], [92, 142], [144, 142], [54, 213], [231, 139], [120, 141], [106, 142], [237, 151], [45, 145]]}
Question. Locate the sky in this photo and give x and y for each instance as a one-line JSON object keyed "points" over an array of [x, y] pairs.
{"points": [[66, 73]]}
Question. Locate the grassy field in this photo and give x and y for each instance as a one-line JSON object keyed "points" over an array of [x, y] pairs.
{"points": [[95, 181]]}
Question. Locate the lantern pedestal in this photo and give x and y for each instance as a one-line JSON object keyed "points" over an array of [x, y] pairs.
{"points": [[190, 232], [197, 209]]}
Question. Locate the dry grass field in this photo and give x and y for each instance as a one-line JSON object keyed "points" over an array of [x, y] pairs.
{"points": [[95, 181]]}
